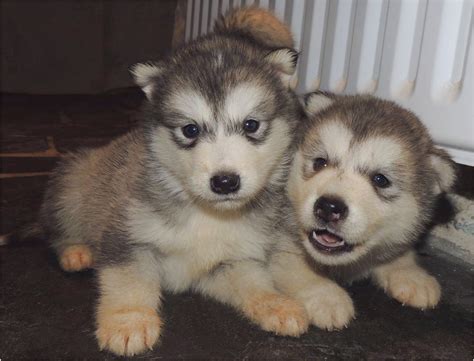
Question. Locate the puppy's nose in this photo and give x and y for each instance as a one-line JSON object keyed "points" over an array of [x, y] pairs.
{"points": [[225, 183], [330, 209]]}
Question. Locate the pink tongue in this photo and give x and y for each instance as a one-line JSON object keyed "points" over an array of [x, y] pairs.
{"points": [[329, 239]]}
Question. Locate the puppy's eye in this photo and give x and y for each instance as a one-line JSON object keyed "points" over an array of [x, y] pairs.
{"points": [[379, 180], [251, 126], [190, 131], [319, 163]]}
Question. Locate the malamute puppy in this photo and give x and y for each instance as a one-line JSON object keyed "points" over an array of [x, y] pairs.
{"points": [[190, 199], [363, 186]]}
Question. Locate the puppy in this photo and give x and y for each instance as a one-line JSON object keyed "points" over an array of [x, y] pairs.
{"points": [[363, 186], [189, 200]]}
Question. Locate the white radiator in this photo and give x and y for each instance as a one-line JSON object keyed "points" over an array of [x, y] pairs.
{"points": [[416, 52]]}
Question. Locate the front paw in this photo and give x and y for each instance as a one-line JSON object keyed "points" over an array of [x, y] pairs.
{"points": [[128, 331], [277, 313], [414, 288], [329, 307]]}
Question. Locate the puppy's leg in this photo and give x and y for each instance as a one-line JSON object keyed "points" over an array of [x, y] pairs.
{"points": [[75, 257], [127, 318], [328, 305], [407, 282], [247, 285]]}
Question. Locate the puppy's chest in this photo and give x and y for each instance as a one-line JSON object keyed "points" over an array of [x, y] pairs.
{"points": [[194, 242]]}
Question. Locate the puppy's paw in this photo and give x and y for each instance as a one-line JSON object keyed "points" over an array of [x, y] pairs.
{"points": [[76, 258], [329, 307], [128, 331], [277, 313], [414, 288]]}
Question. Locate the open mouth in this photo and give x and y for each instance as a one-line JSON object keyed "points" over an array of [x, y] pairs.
{"points": [[328, 242]]}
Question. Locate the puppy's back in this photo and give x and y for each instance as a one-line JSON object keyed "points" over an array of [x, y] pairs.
{"points": [[88, 190]]}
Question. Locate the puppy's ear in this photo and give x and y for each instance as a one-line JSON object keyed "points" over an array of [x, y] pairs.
{"points": [[317, 101], [445, 170], [285, 61], [144, 73]]}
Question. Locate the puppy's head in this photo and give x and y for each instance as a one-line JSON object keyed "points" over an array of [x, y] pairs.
{"points": [[365, 178], [220, 119]]}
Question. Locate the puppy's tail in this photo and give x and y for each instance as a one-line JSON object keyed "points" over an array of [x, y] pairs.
{"points": [[259, 24], [26, 233]]}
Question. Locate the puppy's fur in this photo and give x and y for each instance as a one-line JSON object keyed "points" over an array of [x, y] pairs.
{"points": [[143, 210], [351, 222]]}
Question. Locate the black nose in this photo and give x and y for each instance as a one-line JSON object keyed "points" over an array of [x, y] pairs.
{"points": [[225, 183], [330, 209]]}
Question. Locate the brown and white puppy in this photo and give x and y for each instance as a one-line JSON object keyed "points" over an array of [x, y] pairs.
{"points": [[363, 186]]}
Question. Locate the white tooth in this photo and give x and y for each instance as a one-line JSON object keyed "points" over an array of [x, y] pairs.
{"points": [[314, 234]]}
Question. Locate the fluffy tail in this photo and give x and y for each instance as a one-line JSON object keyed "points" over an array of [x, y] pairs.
{"points": [[28, 232], [259, 24]]}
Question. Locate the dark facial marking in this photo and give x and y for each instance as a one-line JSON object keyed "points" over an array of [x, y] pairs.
{"points": [[181, 143]]}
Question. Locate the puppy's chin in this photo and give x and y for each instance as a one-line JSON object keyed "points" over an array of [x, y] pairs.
{"points": [[232, 203], [229, 204]]}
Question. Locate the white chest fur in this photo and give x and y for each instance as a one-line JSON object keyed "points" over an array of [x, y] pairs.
{"points": [[195, 242]]}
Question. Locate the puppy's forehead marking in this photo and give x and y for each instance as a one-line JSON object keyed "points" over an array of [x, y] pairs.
{"points": [[242, 99], [192, 105], [336, 139], [377, 152]]}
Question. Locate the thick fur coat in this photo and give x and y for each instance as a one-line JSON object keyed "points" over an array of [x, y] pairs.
{"points": [[191, 198], [363, 187]]}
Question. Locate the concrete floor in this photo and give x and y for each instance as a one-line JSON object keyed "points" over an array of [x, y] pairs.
{"points": [[48, 314]]}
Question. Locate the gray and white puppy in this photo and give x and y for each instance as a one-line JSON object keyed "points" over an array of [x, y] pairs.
{"points": [[363, 186], [190, 199]]}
